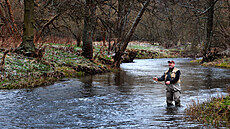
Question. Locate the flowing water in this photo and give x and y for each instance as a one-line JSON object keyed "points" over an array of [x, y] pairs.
{"points": [[126, 99]]}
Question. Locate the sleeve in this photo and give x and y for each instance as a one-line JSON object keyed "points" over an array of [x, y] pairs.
{"points": [[176, 78], [162, 78]]}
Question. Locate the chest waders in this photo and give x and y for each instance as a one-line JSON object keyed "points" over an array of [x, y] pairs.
{"points": [[173, 91]]}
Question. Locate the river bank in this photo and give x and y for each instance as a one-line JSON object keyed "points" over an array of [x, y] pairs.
{"points": [[222, 62], [57, 62], [60, 61], [215, 111]]}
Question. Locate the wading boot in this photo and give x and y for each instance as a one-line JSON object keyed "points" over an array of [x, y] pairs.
{"points": [[177, 104], [169, 104]]}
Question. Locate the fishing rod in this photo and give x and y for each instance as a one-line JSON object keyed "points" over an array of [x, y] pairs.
{"points": [[158, 82]]}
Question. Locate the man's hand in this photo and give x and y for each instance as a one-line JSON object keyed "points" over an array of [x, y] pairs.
{"points": [[167, 82], [155, 78]]}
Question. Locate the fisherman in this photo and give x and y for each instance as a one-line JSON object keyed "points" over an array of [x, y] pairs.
{"points": [[172, 82]]}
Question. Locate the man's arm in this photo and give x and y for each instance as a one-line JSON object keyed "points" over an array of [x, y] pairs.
{"points": [[162, 78], [176, 78]]}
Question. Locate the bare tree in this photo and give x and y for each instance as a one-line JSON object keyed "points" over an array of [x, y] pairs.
{"points": [[209, 31], [125, 41], [171, 23], [209, 28], [89, 23], [27, 44], [11, 15]]}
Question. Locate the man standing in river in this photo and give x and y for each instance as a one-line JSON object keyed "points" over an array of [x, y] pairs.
{"points": [[172, 82]]}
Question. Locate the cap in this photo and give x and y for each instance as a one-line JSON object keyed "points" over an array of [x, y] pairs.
{"points": [[171, 61]]}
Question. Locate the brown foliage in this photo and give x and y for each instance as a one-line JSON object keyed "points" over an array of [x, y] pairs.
{"points": [[173, 24]]}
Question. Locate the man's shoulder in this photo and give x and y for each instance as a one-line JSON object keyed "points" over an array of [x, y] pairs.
{"points": [[176, 69]]}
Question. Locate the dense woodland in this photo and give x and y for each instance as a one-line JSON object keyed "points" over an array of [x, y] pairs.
{"points": [[203, 25]]}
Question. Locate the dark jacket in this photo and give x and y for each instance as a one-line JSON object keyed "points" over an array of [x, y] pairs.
{"points": [[172, 81]]}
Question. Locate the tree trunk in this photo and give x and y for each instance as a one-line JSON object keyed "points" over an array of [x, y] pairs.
{"points": [[27, 44], [209, 29], [108, 30], [109, 38], [209, 26], [78, 40], [87, 48], [125, 41], [5, 21], [11, 15]]}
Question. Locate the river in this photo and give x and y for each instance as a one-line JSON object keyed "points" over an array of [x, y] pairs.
{"points": [[125, 99]]}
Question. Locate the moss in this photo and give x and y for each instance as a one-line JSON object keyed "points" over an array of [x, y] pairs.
{"points": [[223, 62], [80, 73], [29, 82], [224, 65], [196, 61], [66, 71], [139, 47]]}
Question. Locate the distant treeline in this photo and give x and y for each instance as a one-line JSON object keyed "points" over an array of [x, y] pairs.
{"points": [[204, 24]]}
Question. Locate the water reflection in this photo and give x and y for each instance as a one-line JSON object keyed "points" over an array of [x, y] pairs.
{"points": [[87, 86], [126, 99], [171, 111]]}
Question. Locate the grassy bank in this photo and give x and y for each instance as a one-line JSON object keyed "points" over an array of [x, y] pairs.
{"points": [[61, 60], [215, 112], [148, 51], [57, 62], [222, 62]]}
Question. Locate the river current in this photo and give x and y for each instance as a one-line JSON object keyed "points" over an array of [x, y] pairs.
{"points": [[125, 99]]}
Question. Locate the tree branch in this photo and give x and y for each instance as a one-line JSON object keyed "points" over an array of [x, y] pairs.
{"points": [[38, 35]]}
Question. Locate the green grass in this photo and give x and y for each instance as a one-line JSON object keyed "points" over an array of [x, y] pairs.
{"points": [[65, 45], [215, 112], [196, 61], [139, 47], [57, 62], [222, 62]]}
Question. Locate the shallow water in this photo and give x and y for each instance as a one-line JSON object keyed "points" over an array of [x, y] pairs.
{"points": [[127, 99]]}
